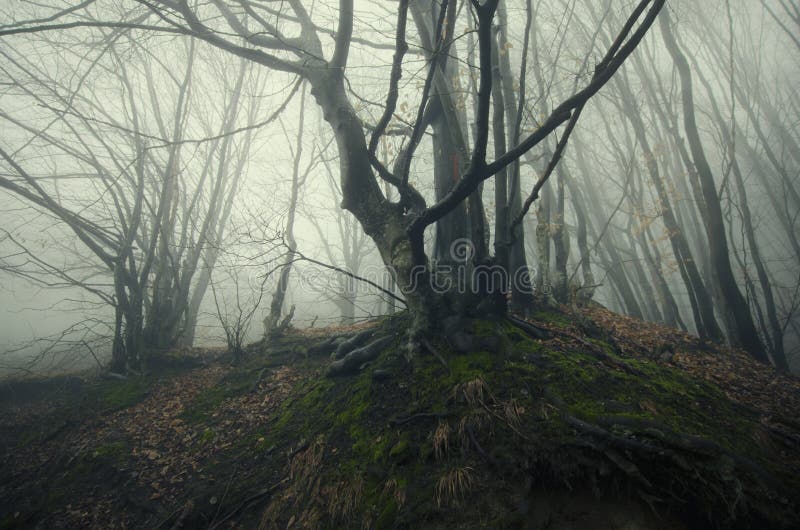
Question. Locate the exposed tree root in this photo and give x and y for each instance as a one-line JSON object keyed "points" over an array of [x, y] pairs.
{"points": [[323, 347], [690, 459], [352, 343], [531, 329], [353, 360]]}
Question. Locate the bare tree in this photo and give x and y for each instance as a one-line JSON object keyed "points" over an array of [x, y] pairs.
{"points": [[293, 44], [130, 200]]}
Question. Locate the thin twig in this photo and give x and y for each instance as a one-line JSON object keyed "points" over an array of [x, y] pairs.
{"points": [[302, 257]]}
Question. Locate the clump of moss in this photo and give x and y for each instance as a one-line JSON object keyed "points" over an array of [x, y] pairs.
{"points": [[111, 452], [207, 435], [552, 317], [117, 395]]}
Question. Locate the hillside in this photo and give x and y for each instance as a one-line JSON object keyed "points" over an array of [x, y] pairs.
{"points": [[564, 420]]}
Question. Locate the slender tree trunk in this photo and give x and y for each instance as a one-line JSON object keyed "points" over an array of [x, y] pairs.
{"points": [[586, 290], [615, 264], [740, 323], [702, 304], [773, 327], [502, 217], [560, 242], [272, 324], [119, 358], [517, 263]]}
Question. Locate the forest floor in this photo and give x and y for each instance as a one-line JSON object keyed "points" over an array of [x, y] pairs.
{"points": [[519, 432]]}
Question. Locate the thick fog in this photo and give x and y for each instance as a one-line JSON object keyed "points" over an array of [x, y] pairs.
{"points": [[141, 164]]}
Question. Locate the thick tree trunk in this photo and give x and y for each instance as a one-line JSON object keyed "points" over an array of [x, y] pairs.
{"points": [[451, 154], [382, 221], [447, 160]]}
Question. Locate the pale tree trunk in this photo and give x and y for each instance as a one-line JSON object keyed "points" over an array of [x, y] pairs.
{"points": [[450, 152], [206, 247], [585, 290], [614, 263], [502, 236], [160, 329], [273, 325]]}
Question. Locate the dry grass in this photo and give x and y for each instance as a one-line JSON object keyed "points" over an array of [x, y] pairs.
{"points": [[304, 492], [305, 463], [398, 494], [474, 391], [441, 440], [454, 486], [345, 498], [477, 421], [512, 411]]}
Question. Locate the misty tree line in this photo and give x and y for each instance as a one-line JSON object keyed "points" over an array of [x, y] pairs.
{"points": [[642, 155]]}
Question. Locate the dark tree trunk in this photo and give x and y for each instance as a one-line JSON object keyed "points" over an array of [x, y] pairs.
{"points": [[585, 291], [702, 304], [741, 328], [560, 243], [772, 325]]}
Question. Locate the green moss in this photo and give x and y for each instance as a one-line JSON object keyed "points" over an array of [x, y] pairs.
{"points": [[207, 436], [285, 415], [352, 415], [484, 328], [29, 436], [352, 412], [111, 452], [314, 394], [469, 366], [400, 449], [117, 395], [552, 317], [387, 516], [367, 447], [356, 400], [207, 401]]}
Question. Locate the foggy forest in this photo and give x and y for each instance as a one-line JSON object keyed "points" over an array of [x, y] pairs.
{"points": [[399, 264]]}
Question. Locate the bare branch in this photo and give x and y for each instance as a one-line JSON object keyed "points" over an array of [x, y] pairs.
{"points": [[397, 71], [477, 174]]}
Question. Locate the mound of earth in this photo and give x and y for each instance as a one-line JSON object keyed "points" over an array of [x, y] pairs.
{"points": [[566, 419]]}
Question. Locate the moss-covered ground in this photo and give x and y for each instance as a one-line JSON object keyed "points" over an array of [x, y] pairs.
{"points": [[564, 432], [467, 444]]}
